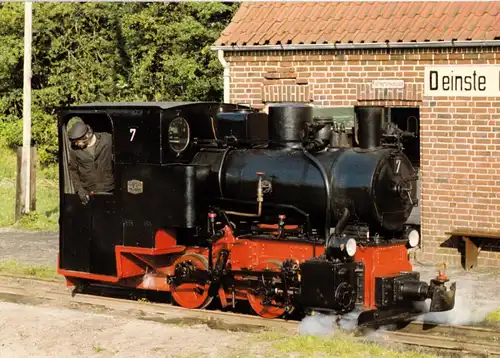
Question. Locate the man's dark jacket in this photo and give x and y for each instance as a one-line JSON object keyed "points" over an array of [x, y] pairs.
{"points": [[93, 173]]}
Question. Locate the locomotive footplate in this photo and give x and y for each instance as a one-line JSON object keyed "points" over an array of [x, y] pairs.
{"points": [[377, 318]]}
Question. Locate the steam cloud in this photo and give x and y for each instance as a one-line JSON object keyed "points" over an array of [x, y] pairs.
{"points": [[317, 325], [323, 324], [467, 311]]}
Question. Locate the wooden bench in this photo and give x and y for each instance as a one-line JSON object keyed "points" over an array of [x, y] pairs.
{"points": [[471, 249]]}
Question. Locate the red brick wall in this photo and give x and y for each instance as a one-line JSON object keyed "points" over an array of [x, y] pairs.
{"points": [[460, 136]]}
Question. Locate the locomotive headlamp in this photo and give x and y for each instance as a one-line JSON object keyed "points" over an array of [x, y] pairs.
{"points": [[412, 236], [350, 247], [341, 246]]}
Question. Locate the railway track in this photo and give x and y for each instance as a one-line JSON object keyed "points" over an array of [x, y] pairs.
{"points": [[469, 340], [461, 340]]}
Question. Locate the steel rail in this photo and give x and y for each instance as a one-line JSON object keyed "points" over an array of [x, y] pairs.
{"points": [[440, 330], [56, 294], [445, 343]]}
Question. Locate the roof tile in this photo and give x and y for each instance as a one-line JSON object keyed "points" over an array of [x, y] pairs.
{"points": [[481, 8], [363, 12], [427, 10], [493, 9], [310, 22], [487, 23], [340, 11], [328, 13]]}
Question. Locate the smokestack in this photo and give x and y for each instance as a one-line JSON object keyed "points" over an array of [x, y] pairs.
{"points": [[287, 123], [369, 126]]}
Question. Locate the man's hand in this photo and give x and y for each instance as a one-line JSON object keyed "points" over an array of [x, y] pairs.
{"points": [[84, 197]]}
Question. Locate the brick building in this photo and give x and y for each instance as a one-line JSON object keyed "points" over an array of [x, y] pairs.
{"points": [[337, 55]]}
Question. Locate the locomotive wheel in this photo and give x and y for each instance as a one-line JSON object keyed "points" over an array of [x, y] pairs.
{"points": [[266, 311], [192, 295]]}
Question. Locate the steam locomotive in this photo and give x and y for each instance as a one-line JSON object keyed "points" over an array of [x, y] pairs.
{"points": [[219, 201]]}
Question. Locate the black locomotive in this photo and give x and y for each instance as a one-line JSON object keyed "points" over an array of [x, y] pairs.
{"points": [[215, 200]]}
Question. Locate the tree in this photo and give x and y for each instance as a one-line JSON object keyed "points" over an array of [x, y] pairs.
{"points": [[86, 52]]}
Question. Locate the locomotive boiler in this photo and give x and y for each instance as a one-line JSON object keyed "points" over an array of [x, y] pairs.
{"points": [[218, 201]]}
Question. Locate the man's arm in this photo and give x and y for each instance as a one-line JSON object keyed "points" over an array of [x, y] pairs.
{"points": [[73, 172], [105, 160]]}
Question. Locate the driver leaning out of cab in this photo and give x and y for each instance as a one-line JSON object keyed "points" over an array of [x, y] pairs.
{"points": [[90, 163]]}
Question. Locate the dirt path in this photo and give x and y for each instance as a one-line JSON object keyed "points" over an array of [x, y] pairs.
{"points": [[33, 331], [29, 247]]}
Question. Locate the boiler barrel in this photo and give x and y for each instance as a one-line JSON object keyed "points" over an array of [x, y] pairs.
{"points": [[295, 180], [364, 183]]}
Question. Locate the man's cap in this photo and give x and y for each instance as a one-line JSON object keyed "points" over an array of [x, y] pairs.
{"points": [[77, 130]]}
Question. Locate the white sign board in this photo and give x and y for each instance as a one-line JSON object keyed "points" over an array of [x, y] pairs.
{"points": [[388, 84], [462, 80]]}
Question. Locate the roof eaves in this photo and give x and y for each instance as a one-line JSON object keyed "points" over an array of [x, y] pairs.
{"points": [[353, 46]]}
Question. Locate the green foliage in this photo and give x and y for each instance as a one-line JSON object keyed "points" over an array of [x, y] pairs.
{"points": [[86, 52], [8, 164], [46, 215]]}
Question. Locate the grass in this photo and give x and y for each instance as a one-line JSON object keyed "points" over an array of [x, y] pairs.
{"points": [[46, 215], [97, 348], [493, 317], [340, 345], [12, 267], [276, 344]]}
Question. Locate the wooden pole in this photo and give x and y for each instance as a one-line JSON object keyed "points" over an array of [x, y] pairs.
{"points": [[26, 167], [33, 162], [19, 185], [20, 189]]}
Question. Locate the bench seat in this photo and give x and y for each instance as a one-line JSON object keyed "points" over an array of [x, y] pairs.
{"points": [[471, 248]]}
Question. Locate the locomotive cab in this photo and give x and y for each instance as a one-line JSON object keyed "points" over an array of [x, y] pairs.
{"points": [[153, 144]]}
